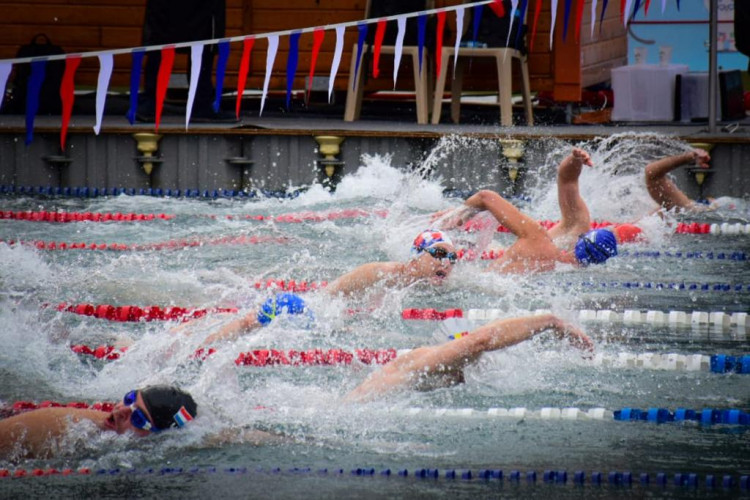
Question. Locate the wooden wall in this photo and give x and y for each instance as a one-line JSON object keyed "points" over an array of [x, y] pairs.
{"points": [[90, 25]]}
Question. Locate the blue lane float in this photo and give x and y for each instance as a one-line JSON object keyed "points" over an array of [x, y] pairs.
{"points": [[706, 416], [619, 479]]}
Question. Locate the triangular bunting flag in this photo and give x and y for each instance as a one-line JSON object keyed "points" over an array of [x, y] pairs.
{"points": [[106, 63], [475, 24], [38, 69], [247, 48], [439, 41], [421, 31], [537, 11], [399, 48], [5, 69], [162, 80], [336, 59], [579, 18], [601, 17], [553, 23], [291, 65], [498, 8], [67, 95], [379, 34], [628, 7], [513, 8], [521, 19], [645, 7], [593, 17], [566, 17], [135, 83], [318, 36], [196, 62], [273, 47], [362, 29], [459, 31], [221, 70]]}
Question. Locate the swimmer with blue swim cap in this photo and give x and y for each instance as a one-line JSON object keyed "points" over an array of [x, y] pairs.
{"points": [[537, 249]]}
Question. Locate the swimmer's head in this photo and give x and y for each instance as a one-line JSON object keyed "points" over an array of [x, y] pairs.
{"points": [[168, 406], [283, 303], [434, 255], [428, 239], [596, 246]]}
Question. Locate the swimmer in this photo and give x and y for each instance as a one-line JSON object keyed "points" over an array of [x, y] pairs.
{"points": [[664, 191], [534, 250], [40, 433], [443, 365], [433, 257]]}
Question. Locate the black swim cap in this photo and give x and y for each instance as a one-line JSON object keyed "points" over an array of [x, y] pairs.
{"points": [[168, 406]]}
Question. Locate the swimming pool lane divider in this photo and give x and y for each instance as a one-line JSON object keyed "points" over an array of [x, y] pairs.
{"points": [[716, 363], [558, 477], [60, 216], [165, 245], [657, 415]]}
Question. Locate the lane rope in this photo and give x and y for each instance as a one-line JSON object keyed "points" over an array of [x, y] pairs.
{"points": [[559, 477], [166, 245], [715, 363]]}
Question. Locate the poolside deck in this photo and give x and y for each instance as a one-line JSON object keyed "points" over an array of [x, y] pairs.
{"points": [[278, 148]]}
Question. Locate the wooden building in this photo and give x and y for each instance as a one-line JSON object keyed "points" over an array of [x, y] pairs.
{"points": [[91, 25]]}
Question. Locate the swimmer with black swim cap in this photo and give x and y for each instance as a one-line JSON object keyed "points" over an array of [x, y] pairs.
{"points": [[40, 433]]}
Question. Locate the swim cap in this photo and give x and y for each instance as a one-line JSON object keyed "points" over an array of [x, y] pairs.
{"points": [[428, 239], [283, 303], [627, 233], [168, 406], [596, 246]]}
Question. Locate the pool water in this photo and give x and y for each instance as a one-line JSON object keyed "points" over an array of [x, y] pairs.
{"points": [[324, 440]]}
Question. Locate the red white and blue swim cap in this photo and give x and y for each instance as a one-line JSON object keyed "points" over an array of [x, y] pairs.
{"points": [[428, 239]]}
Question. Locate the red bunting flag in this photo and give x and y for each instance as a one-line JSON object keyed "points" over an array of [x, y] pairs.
{"points": [[162, 80], [537, 11], [498, 8], [247, 48], [439, 41], [579, 18], [379, 34], [67, 94], [318, 35], [645, 7]]}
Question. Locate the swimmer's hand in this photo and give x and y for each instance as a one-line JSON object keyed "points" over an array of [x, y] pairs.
{"points": [[575, 336], [455, 217], [582, 156], [701, 158]]}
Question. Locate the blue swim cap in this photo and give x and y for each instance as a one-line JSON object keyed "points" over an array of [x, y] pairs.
{"points": [[288, 303], [596, 246]]}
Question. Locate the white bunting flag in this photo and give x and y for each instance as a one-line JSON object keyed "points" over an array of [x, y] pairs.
{"points": [[459, 34], [196, 55], [628, 6], [593, 17], [552, 24], [663, 6], [336, 58], [105, 72], [5, 69], [401, 23], [273, 46]]}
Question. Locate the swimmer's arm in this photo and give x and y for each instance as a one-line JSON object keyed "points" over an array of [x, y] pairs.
{"points": [[454, 217], [360, 278], [661, 188], [575, 213], [234, 329], [506, 214], [252, 437]]}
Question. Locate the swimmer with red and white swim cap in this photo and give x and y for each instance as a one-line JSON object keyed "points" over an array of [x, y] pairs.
{"points": [[433, 258]]}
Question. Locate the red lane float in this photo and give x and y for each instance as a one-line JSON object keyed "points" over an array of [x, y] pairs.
{"points": [[268, 357], [351, 213], [135, 313], [24, 406], [167, 245], [47, 216], [431, 314], [290, 285]]}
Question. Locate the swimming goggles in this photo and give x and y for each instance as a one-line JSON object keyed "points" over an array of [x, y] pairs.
{"points": [[138, 419], [441, 254]]}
